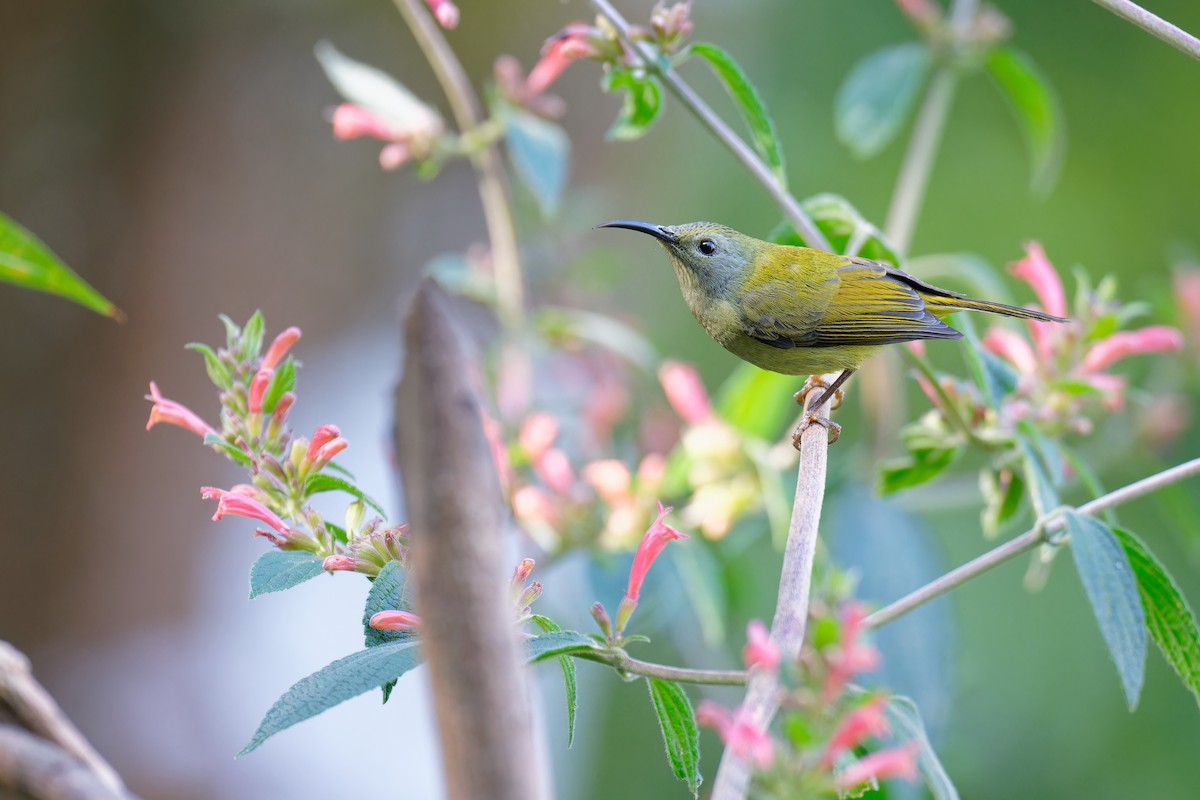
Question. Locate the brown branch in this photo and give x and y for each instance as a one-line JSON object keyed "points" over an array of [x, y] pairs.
{"points": [[480, 690], [24, 700], [35, 768], [791, 608]]}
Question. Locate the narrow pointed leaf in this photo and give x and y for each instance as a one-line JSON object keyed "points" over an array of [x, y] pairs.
{"points": [[217, 372], [1109, 583], [375, 90], [283, 381], [324, 482], [539, 151], [252, 337], [557, 643], [681, 737], [276, 570], [1169, 619], [26, 261], [844, 227], [878, 97], [343, 679], [906, 723], [749, 103], [235, 453], [1036, 108], [567, 664], [641, 102]]}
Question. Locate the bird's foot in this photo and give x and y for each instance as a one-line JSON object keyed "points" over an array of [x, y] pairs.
{"points": [[809, 420], [817, 382]]}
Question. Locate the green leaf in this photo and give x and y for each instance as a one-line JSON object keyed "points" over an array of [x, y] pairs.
{"points": [[233, 333], [343, 679], [758, 403], [680, 735], [376, 91], [217, 372], [878, 96], [921, 466], [539, 151], [557, 643], [252, 337], [567, 664], [233, 452], [906, 724], [1169, 619], [1001, 501], [1036, 108], [846, 229], [26, 261], [283, 381], [1038, 475], [1108, 580], [640, 103], [748, 101], [387, 594], [276, 570], [324, 482], [339, 533]]}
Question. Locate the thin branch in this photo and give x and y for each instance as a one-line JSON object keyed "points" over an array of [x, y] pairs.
{"points": [[1027, 541], [36, 710], [37, 769], [791, 608], [623, 663], [709, 119], [493, 188], [1154, 25]]}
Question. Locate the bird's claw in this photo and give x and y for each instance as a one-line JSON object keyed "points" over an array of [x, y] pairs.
{"points": [[834, 429], [817, 382]]}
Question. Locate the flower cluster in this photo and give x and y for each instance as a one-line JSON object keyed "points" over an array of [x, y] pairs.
{"points": [[825, 722], [256, 391]]}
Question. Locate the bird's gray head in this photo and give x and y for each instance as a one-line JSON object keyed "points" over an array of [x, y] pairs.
{"points": [[705, 254]]}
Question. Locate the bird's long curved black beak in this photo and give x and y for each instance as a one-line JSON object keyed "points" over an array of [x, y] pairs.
{"points": [[660, 232]]}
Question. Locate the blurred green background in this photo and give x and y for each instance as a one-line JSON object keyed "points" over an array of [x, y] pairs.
{"points": [[175, 154]]}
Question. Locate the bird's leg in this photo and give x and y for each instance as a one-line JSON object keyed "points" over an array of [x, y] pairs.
{"points": [[813, 418], [818, 382]]}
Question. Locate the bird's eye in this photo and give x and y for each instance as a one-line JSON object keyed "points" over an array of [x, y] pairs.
{"points": [[707, 247]]}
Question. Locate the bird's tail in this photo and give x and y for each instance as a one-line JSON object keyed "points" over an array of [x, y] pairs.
{"points": [[948, 305]]}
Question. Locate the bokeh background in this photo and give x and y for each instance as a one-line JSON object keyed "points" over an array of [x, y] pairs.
{"points": [[176, 155]]}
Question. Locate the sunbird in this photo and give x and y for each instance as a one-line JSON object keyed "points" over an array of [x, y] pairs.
{"points": [[800, 311]]}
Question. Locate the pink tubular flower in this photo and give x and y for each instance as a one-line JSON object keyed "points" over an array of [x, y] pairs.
{"points": [[279, 347], [173, 413], [351, 122], [851, 657], [760, 651], [445, 12], [653, 542], [610, 478], [685, 392], [571, 43], [865, 721], [532, 504], [340, 563], [394, 155], [554, 470], [242, 506], [1036, 270], [258, 388], [1108, 351], [894, 762], [1012, 347], [538, 433], [738, 731], [325, 443], [395, 621]]}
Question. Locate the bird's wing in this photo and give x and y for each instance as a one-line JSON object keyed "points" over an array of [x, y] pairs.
{"points": [[867, 304], [785, 310]]}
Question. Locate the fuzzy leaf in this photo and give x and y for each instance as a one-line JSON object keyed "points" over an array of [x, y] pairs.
{"points": [[343, 679], [846, 229], [1169, 619], [387, 594], [557, 643], [375, 90], [26, 261], [906, 723], [920, 466], [879, 95], [252, 337], [641, 103], [276, 570], [1109, 583], [680, 735], [539, 151], [748, 101], [233, 452], [567, 664], [217, 372]]}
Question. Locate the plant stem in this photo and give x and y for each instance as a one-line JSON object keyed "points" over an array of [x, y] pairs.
{"points": [[1154, 25], [791, 608], [948, 409], [1027, 541], [622, 662], [493, 189], [686, 95]]}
